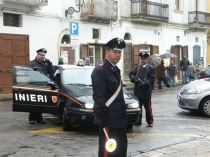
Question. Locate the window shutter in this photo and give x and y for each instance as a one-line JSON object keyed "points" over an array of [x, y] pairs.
{"points": [[135, 55], [84, 51], [154, 49]]}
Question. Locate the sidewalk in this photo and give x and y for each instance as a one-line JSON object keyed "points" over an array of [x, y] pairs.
{"points": [[5, 97]]}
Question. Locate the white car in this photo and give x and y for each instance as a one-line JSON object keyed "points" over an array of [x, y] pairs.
{"points": [[196, 96]]}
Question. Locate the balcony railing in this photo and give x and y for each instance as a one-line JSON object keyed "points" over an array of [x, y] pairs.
{"points": [[202, 18], [100, 11], [149, 10], [29, 2]]}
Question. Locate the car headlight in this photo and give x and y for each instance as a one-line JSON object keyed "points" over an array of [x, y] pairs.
{"points": [[193, 91], [133, 105], [89, 106]]}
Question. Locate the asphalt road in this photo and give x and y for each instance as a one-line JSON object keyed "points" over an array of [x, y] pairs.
{"points": [[172, 126]]}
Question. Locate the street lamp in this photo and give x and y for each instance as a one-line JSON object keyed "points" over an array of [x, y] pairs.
{"points": [[193, 27], [71, 10]]}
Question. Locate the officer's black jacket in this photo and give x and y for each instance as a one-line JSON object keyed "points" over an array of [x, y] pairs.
{"points": [[105, 81], [44, 67], [139, 90]]}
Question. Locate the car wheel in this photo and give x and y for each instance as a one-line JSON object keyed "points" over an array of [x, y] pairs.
{"points": [[205, 107], [129, 126], [66, 120]]}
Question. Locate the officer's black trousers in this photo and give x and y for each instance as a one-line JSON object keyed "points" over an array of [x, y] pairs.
{"points": [[118, 134], [35, 116], [148, 108]]}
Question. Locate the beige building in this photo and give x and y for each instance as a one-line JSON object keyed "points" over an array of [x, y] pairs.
{"points": [[208, 38]]}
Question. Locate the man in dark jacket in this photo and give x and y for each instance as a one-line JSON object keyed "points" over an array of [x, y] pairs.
{"points": [[45, 66], [143, 77], [184, 63], [161, 75], [172, 71], [106, 80]]}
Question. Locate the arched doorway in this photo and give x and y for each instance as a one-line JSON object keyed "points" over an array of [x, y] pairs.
{"points": [[196, 54], [66, 51]]}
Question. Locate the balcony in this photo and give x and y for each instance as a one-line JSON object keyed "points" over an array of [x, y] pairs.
{"points": [[29, 2], [149, 11], [202, 18], [100, 11]]}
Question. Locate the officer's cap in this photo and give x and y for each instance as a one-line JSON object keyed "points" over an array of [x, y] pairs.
{"points": [[42, 51], [143, 55], [116, 44]]}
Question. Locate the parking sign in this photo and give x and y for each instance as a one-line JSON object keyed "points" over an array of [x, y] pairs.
{"points": [[74, 28]]}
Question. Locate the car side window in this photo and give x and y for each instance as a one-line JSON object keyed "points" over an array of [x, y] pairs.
{"points": [[27, 76]]}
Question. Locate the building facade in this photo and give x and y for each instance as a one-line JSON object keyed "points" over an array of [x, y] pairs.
{"points": [[72, 32]]}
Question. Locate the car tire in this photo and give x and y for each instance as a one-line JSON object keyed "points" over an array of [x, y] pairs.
{"points": [[66, 120], [129, 126], [205, 107]]}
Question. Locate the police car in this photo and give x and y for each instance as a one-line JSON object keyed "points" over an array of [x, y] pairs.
{"points": [[67, 94]]}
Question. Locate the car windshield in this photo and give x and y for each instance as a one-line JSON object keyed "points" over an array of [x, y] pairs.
{"points": [[77, 76]]}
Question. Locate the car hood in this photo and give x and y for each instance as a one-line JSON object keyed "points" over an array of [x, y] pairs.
{"points": [[201, 84], [85, 93]]}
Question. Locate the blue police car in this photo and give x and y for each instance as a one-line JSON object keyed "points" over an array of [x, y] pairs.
{"points": [[67, 94]]}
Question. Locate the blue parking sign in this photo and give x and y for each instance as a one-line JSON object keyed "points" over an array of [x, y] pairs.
{"points": [[74, 28]]}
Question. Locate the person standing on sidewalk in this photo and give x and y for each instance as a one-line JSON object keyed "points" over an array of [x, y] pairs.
{"points": [[172, 71], [106, 81], [191, 72], [143, 77], [45, 66], [184, 63]]}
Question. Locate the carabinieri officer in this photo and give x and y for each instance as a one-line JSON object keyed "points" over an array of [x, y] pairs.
{"points": [[106, 79], [143, 77]]}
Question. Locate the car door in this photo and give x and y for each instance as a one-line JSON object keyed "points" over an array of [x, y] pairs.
{"points": [[33, 91]]}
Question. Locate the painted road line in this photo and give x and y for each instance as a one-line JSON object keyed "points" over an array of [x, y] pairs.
{"points": [[59, 130]]}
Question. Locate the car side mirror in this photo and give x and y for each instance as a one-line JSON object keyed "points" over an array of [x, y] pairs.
{"points": [[52, 85], [35, 68]]}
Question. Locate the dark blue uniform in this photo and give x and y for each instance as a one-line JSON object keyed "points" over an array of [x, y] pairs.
{"points": [[144, 91], [105, 80], [46, 68]]}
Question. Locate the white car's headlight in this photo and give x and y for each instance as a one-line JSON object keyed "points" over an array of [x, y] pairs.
{"points": [[133, 105], [89, 106], [193, 91]]}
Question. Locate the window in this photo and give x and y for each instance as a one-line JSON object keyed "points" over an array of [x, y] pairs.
{"points": [[91, 55], [196, 39], [177, 5], [96, 33], [65, 39], [95, 55], [177, 38], [27, 76], [13, 20]]}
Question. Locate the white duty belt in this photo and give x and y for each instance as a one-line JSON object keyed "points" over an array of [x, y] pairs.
{"points": [[113, 96]]}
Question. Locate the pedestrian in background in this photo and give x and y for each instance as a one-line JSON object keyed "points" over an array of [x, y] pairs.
{"points": [[45, 66], [191, 72], [184, 63], [172, 72], [106, 80], [161, 75], [143, 77], [198, 67]]}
